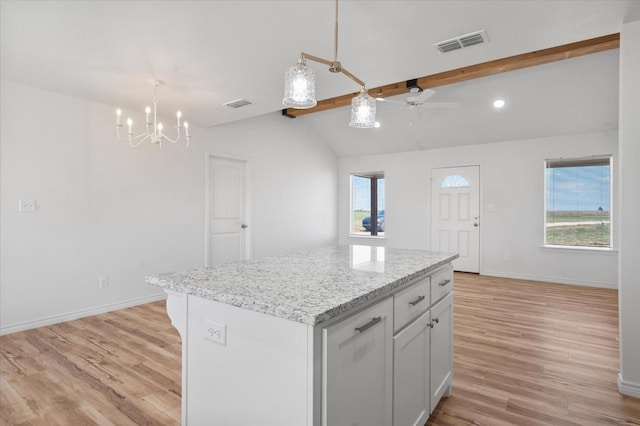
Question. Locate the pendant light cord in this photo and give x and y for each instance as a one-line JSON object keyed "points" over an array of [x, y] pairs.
{"points": [[335, 33]]}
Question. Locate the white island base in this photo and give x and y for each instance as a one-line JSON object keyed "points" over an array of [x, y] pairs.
{"points": [[385, 362]]}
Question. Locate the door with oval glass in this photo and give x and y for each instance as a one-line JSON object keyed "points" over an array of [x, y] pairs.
{"points": [[455, 214], [227, 229]]}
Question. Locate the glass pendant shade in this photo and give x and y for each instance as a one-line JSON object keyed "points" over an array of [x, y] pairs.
{"points": [[363, 111], [299, 86]]}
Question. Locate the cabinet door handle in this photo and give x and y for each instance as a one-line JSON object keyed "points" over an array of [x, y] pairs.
{"points": [[443, 283], [368, 325], [416, 301], [430, 325], [436, 320]]}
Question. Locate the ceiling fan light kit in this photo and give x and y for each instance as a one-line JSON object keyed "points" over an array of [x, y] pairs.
{"points": [[153, 129], [300, 89]]}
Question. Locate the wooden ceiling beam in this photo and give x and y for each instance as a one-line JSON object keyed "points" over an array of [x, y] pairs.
{"points": [[485, 69]]}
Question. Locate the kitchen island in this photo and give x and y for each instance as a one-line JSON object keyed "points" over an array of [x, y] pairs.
{"points": [[341, 335]]}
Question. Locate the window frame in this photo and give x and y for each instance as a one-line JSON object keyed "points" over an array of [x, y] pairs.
{"points": [[577, 162], [373, 209]]}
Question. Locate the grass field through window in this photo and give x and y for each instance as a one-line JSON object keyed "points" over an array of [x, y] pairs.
{"points": [[578, 228], [358, 215]]}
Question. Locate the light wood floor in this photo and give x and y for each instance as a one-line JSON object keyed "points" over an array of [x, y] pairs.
{"points": [[525, 354]]}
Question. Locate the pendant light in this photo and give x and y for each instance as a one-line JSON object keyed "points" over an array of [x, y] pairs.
{"points": [[300, 86]]}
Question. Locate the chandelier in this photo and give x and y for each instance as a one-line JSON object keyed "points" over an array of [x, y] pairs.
{"points": [[153, 129], [300, 86]]}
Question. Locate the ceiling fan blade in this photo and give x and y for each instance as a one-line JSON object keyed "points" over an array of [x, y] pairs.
{"points": [[391, 101], [424, 95], [388, 111], [440, 105]]}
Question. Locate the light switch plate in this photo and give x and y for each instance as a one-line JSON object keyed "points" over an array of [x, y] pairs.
{"points": [[26, 206], [216, 332]]}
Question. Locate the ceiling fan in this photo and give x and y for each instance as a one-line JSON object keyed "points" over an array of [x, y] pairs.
{"points": [[418, 98]]}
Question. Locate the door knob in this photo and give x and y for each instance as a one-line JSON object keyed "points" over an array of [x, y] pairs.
{"points": [[475, 224], [244, 226]]}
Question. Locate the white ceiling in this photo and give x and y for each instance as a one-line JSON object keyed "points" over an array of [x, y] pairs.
{"points": [[212, 52], [577, 95]]}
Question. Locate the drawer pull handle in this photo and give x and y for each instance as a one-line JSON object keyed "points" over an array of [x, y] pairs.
{"points": [[418, 300], [368, 325], [443, 283]]}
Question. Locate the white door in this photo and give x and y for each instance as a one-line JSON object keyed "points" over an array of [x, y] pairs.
{"points": [[227, 230], [455, 215]]}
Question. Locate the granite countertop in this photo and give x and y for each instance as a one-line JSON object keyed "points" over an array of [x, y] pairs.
{"points": [[310, 286]]}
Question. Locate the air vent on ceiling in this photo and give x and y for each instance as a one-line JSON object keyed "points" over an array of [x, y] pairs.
{"points": [[463, 41], [238, 103]]}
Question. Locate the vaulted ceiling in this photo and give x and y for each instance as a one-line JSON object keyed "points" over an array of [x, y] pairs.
{"points": [[212, 52]]}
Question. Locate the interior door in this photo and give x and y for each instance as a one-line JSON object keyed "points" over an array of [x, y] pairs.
{"points": [[227, 230], [455, 215]]}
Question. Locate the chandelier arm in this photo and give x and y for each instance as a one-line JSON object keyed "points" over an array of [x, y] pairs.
{"points": [[313, 58], [185, 145], [353, 77], [162, 135], [132, 140], [129, 138], [176, 140]]}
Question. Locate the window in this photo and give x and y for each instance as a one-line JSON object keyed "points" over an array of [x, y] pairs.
{"points": [[367, 201], [578, 202], [454, 181]]}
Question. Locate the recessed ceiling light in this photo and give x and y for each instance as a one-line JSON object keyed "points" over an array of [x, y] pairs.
{"points": [[498, 103]]}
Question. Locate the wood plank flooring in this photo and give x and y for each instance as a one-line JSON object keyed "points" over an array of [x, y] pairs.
{"points": [[526, 353], [531, 353], [119, 368]]}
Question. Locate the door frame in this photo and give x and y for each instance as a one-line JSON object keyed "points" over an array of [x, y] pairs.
{"points": [[248, 247], [480, 209]]}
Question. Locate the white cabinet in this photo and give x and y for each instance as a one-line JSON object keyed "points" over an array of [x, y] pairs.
{"points": [[441, 349], [423, 349], [411, 397], [357, 368]]}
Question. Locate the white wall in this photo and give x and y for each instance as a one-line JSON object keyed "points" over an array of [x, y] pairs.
{"points": [[512, 180], [107, 209], [629, 293]]}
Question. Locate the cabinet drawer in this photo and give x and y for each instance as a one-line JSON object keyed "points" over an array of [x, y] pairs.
{"points": [[441, 283], [410, 303]]}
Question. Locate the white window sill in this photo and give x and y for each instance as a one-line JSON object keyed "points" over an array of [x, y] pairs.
{"points": [[376, 237], [592, 250]]}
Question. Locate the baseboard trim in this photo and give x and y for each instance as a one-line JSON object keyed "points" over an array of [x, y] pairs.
{"points": [[627, 388], [549, 279], [81, 314]]}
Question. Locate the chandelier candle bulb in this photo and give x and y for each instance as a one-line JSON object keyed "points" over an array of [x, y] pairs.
{"points": [[130, 123], [147, 115], [186, 129], [178, 114], [118, 117]]}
